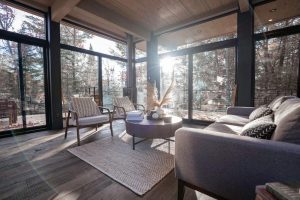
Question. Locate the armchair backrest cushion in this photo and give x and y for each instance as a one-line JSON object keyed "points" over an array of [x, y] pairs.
{"points": [[287, 119], [85, 106], [124, 102]]}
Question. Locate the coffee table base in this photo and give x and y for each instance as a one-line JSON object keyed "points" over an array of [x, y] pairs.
{"points": [[142, 140]]}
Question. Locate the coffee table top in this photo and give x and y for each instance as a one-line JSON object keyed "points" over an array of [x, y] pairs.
{"points": [[153, 128], [148, 122]]}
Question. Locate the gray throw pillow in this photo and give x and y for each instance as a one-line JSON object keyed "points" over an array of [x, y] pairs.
{"points": [[287, 118], [262, 128], [260, 112]]}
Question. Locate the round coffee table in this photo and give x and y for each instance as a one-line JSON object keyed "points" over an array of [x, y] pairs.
{"points": [[152, 129]]}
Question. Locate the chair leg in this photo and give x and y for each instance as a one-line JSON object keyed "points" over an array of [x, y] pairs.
{"points": [[96, 127], [78, 137], [66, 131], [67, 125], [181, 190], [111, 129]]}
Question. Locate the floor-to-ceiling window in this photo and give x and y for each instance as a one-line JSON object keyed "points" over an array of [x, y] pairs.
{"points": [[141, 72], [22, 69], [203, 58], [91, 66], [177, 66], [114, 75], [277, 51], [213, 83]]}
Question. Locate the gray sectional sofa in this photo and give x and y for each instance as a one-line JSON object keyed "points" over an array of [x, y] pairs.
{"points": [[220, 162]]}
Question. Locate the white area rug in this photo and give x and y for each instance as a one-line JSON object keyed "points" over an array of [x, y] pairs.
{"points": [[139, 170]]}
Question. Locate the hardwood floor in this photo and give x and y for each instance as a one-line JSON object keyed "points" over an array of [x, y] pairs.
{"points": [[38, 166]]}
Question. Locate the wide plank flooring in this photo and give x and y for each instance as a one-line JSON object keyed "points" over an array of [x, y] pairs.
{"points": [[38, 166]]}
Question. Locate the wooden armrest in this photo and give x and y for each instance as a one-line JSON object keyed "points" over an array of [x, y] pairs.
{"points": [[108, 111], [103, 108], [74, 113]]}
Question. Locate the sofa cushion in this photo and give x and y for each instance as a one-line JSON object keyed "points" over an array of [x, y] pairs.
{"points": [[233, 120], [260, 112], [287, 119], [274, 105], [260, 128], [224, 128]]}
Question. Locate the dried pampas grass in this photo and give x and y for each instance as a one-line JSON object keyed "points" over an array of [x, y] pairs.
{"points": [[152, 96]]}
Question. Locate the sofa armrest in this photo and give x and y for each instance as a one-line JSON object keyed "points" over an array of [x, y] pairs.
{"points": [[237, 110], [230, 165]]}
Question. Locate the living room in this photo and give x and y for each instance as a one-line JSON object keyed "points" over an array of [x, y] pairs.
{"points": [[127, 99]]}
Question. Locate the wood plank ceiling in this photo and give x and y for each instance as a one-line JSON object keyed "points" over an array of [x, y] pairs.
{"points": [[141, 17]]}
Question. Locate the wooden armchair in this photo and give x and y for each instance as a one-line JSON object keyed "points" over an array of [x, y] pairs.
{"points": [[84, 112], [123, 105]]}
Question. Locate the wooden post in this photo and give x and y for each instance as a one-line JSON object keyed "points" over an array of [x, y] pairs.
{"points": [[54, 75], [130, 89], [153, 68]]}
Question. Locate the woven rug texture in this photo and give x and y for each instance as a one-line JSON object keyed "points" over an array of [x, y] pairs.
{"points": [[139, 170]]}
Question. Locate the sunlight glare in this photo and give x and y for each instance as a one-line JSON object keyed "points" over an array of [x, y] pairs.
{"points": [[167, 64]]}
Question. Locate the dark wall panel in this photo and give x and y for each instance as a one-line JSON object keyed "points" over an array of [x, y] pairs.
{"points": [[245, 59]]}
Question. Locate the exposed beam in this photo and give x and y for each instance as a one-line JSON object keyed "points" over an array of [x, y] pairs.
{"points": [[115, 19], [244, 5], [260, 2], [60, 8], [213, 14]]}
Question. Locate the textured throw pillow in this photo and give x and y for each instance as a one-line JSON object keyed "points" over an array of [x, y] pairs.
{"points": [[260, 112], [262, 128]]}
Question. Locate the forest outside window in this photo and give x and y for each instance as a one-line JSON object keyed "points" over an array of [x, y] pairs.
{"points": [[213, 83], [22, 22], [276, 68], [141, 82], [74, 36], [178, 65], [79, 75], [114, 75]]}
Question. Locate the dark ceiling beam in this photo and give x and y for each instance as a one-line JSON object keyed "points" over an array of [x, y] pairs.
{"points": [[60, 9], [260, 2], [244, 5], [213, 14], [115, 19]]}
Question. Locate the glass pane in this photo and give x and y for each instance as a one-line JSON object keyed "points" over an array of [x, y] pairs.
{"points": [[10, 109], [276, 14], [141, 82], [220, 29], [87, 40], [19, 21], [179, 103], [79, 74], [34, 85], [276, 68], [113, 80], [213, 83]]}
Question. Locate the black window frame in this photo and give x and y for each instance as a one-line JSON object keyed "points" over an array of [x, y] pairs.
{"points": [[29, 40]]}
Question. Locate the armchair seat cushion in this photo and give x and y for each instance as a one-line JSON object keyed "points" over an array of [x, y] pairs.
{"points": [[237, 120], [93, 120]]}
